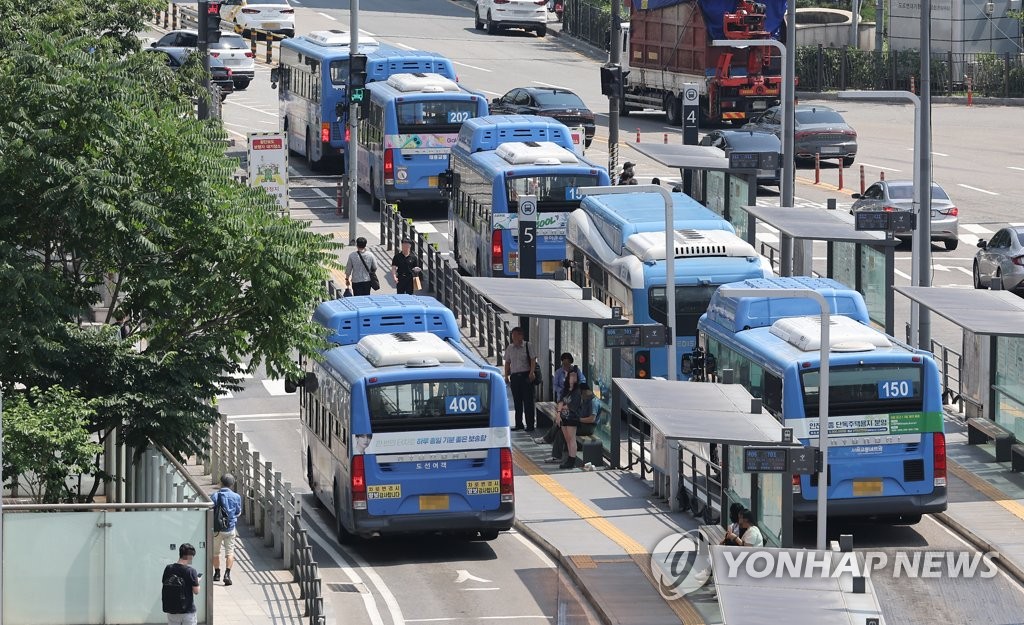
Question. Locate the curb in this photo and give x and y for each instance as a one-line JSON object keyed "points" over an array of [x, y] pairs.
{"points": [[569, 567], [1008, 566]]}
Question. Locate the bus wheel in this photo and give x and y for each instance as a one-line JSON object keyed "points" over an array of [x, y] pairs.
{"points": [[314, 165], [309, 472], [488, 534], [345, 537], [375, 203]]}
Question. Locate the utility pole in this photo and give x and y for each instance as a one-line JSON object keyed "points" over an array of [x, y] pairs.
{"points": [[614, 100], [924, 217], [788, 126], [353, 127], [204, 51]]}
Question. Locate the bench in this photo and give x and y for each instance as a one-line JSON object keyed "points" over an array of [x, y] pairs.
{"points": [[714, 533], [1017, 457], [590, 449], [545, 409], [981, 430]]}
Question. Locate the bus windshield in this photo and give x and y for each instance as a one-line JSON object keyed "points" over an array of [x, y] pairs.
{"points": [[429, 404], [433, 115], [867, 388], [691, 303], [555, 193], [339, 73]]}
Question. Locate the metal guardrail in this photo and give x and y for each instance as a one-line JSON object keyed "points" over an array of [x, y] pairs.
{"points": [[950, 364], [176, 17], [271, 508]]}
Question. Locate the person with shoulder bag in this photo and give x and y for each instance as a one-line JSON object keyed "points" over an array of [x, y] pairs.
{"points": [[571, 410], [521, 376], [360, 274]]}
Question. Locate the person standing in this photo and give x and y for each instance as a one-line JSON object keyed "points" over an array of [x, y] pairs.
{"points": [[180, 586], [519, 373], [405, 267], [225, 539], [558, 383], [359, 268]]}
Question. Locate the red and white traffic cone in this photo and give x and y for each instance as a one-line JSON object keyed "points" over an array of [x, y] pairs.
{"points": [[638, 135]]}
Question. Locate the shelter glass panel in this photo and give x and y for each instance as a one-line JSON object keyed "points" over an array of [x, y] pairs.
{"points": [[739, 482], [715, 192], [872, 275], [1009, 405], [599, 373], [844, 263], [769, 507], [738, 189], [572, 342]]}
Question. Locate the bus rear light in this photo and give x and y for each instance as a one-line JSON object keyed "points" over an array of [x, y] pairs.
{"points": [[358, 483], [915, 359], [939, 450], [389, 166], [325, 132], [497, 251], [796, 484], [506, 482]]}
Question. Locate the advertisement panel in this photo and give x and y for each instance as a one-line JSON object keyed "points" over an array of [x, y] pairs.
{"points": [[268, 165]]}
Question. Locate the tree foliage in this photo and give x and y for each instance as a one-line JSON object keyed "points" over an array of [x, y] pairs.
{"points": [[116, 192]]}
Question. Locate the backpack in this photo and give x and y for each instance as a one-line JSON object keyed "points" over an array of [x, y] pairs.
{"points": [[176, 595], [221, 518]]}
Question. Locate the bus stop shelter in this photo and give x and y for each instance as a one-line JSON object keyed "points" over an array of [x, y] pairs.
{"points": [[863, 260], [687, 420], [991, 378]]}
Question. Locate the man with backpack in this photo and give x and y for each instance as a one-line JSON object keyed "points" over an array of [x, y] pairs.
{"points": [[227, 507], [180, 586]]}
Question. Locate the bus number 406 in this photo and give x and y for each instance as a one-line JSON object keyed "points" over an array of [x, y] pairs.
{"points": [[462, 404]]}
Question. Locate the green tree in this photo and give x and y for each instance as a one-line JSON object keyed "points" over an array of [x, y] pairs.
{"points": [[114, 187], [46, 440]]}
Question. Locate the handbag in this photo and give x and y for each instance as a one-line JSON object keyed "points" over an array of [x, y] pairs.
{"points": [[347, 293], [417, 285], [374, 280], [537, 380]]}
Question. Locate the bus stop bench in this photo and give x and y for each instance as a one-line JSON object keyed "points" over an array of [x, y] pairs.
{"points": [[1017, 457], [981, 430], [714, 533], [590, 449], [545, 409]]}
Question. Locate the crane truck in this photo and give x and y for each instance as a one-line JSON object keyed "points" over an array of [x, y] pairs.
{"points": [[668, 43]]}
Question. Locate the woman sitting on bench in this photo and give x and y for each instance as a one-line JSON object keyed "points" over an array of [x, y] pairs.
{"points": [[575, 416]]}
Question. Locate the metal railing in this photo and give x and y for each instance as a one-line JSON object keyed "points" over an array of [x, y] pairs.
{"points": [[270, 507], [638, 443], [700, 488], [950, 363]]}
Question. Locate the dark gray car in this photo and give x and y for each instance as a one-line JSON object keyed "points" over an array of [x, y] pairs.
{"points": [[1001, 260], [819, 130], [747, 141], [899, 195]]}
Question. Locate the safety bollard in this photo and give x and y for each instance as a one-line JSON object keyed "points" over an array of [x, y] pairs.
{"points": [[340, 210], [817, 168], [841, 173], [638, 135], [970, 91], [912, 89], [252, 42], [666, 138], [167, 19], [881, 175], [862, 180]]}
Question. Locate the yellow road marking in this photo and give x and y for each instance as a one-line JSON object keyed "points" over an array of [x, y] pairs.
{"points": [[1012, 506]]}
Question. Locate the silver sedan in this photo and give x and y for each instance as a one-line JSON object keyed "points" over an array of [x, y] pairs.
{"points": [[1000, 260], [898, 195]]}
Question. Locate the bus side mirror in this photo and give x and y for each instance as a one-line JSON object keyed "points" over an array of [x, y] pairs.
{"points": [[444, 182], [308, 382], [275, 77]]}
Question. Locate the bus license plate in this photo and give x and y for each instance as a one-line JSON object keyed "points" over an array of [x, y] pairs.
{"points": [[432, 181], [867, 488], [433, 502]]}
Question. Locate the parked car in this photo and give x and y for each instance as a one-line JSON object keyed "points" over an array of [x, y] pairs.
{"points": [[235, 52], [818, 130], [747, 141], [220, 75], [1001, 260], [889, 195], [272, 17], [562, 104], [525, 14]]}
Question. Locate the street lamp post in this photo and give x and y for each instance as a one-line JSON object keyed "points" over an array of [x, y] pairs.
{"points": [[920, 271], [823, 386], [785, 130], [670, 257]]}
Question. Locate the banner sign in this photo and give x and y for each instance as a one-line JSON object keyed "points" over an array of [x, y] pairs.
{"points": [[268, 164], [430, 441]]}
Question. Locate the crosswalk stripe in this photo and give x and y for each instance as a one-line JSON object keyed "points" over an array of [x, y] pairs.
{"points": [[767, 237], [901, 274], [976, 228], [274, 387], [938, 267], [965, 270]]}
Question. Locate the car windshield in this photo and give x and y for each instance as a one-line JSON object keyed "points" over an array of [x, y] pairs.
{"points": [[229, 42], [1020, 237], [906, 192], [559, 100], [819, 117]]}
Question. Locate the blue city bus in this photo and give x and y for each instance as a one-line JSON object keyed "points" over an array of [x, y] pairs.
{"points": [[887, 449], [312, 75], [405, 429], [490, 131], [411, 123], [615, 244], [484, 203]]}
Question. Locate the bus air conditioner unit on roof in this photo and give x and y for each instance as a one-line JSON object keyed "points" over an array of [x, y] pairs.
{"points": [[422, 83], [407, 349], [337, 39], [535, 153], [649, 247], [845, 334]]}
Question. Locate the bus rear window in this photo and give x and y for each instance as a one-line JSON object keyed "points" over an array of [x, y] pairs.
{"points": [[691, 303], [555, 193], [429, 405], [433, 115], [864, 389]]}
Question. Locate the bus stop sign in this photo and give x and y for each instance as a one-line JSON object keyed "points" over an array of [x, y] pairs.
{"points": [[528, 236]]}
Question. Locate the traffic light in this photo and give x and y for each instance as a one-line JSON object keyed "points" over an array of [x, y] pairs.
{"points": [[642, 364], [356, 71], [213, 22], [613, 80]]}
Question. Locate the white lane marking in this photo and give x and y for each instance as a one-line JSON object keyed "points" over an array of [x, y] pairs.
{"points": [[767, 238], [880, 166], [448, 619], [371, 605], [976, 229], [275, 387], [225, 395], [544, 84], [1017, 168], [481, 588], [263, 419], [901, 274], [488, 92], [935, 153], [967, 186], [402, 45], [367, 33], [263, 415], [1016, 223], [965, 270], [537, 551], [253, 108], [424, 227], [462, 575], [959, 538], [938, 267], [482, 69], [771, 228], [327, 16]]}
